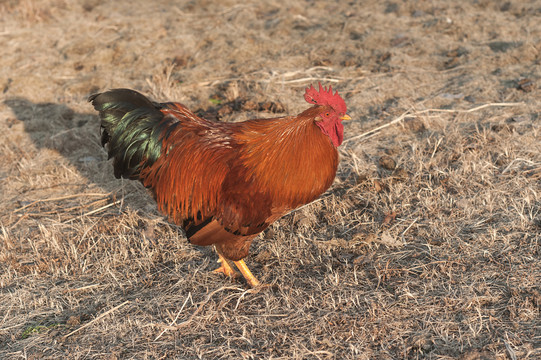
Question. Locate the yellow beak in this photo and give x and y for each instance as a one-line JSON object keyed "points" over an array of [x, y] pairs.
{"points": [[345, 117]]}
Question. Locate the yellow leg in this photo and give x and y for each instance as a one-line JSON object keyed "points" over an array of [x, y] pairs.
{"points": [[225, 267], [250, 278]]}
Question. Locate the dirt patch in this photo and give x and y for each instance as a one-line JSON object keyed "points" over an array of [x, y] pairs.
{"points": [[426, 246]]}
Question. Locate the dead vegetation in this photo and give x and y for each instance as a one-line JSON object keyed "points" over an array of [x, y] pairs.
{"points": [[426, 246]]}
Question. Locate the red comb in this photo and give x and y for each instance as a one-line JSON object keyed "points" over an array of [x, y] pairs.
{"points": [[325, 97]]}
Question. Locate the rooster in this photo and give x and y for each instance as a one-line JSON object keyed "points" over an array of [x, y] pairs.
{"points": [[223, 183]]}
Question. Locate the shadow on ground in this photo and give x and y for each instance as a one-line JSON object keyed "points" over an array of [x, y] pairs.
{"points": [[76, 137]]}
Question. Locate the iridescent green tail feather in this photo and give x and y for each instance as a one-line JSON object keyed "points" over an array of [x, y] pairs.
{"points": [[132, 128]]}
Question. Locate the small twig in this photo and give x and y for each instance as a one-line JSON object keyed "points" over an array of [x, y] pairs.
{"points": [[304, 80], [94, 211], [400, 118], [420, 266], [101, 208], [242, 297], [67, 130], [197, 311], [96, 319], [436, 146], [297, 72], [469, 110], [58, 199], [408, 114], [11, 327], [356, 226], [176, 317], [187, 322], [510, 351], [81, 288], [410, 225], [512, 163], [7, 313]]}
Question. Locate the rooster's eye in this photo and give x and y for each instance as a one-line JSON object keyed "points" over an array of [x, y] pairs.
{"points": [[327, 114]]}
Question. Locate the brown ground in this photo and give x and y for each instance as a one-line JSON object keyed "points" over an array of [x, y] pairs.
{"points": [[427, 245]]}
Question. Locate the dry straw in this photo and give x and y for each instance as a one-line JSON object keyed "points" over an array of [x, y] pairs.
{"points": [[413, 114]]}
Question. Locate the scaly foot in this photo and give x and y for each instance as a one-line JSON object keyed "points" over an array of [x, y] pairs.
{"points": [[225, 268]]}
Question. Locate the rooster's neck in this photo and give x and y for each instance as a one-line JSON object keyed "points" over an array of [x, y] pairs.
{"points": [[291, 158]]}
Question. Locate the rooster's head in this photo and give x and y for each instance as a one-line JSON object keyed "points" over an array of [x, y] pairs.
{"points": [[333, 111]]}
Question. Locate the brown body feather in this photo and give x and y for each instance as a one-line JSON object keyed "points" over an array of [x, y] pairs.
{"points": [[227, 182]]}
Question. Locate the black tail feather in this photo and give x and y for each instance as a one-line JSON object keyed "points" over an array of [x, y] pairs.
{"points": [[132, 127]]}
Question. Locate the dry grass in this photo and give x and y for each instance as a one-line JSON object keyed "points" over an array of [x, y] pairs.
{"points": [[426, 246]]}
